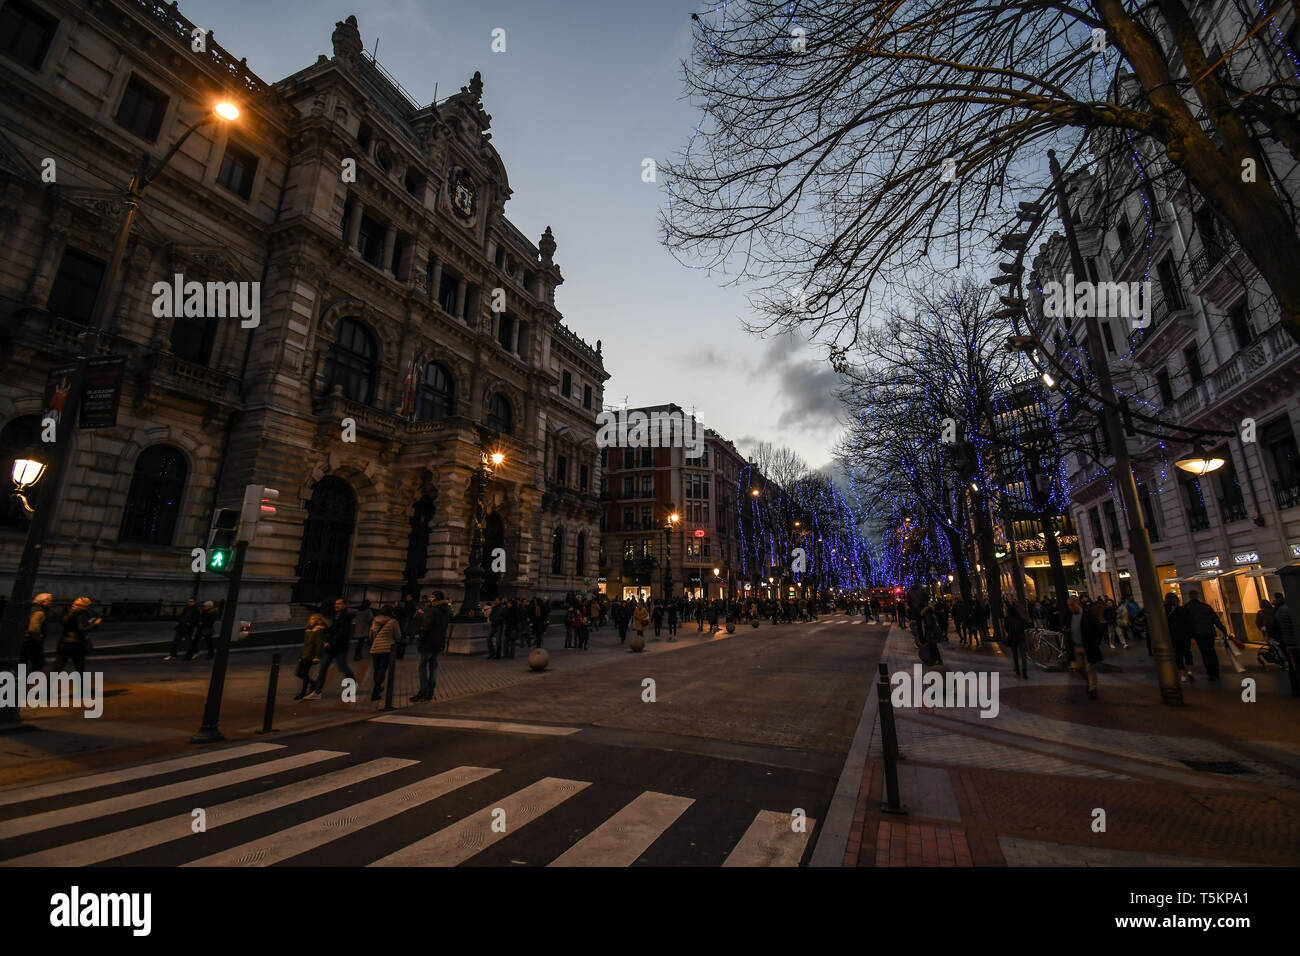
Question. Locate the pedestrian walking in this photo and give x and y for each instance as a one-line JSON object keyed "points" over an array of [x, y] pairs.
{"points": [[336, 636], [1284, 628], [433, 635], [516, 622], [1180, 636], [1203, 622], [641, 618], [361, 628], [312, 643], [185, 625], [1016, 626], [540, 617], [203, 629], [385, 634], [497, 628], [75, 642], [32, 653], [1085, 636], [658, 617], [672, 620]]}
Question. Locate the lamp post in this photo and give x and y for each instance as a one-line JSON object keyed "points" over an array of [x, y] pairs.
{"points": [[483, 475], [13, 624], [670, 525]]}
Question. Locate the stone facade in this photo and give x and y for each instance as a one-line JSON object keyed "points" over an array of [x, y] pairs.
{"points": [[406, 326]]}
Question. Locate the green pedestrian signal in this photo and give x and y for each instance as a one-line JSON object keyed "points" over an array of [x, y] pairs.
{"points": [[221, 540], [218, 560]]}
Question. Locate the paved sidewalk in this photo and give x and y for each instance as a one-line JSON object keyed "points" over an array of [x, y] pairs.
{"points": [[152, 707], [1215, 782]]}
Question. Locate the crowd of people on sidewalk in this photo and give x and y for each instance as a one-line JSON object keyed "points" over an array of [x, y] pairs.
{"points": [[1087, 625]]}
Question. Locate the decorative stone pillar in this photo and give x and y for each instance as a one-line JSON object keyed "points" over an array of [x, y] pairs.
{"points": [[390, 242], [56, 238], [354, 223], [437, 277], [461, 286]]}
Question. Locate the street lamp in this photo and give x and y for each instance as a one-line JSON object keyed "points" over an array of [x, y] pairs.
{"points": [[1200, 464], [670, 524], [15, 613], [483, 475], [26, 472]]}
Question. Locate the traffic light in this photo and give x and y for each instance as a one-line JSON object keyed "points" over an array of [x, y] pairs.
{"points": [[258, 509], [221, 540]]}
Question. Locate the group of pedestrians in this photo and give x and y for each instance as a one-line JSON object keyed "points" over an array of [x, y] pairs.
{"points": [[76, 622], [387, 631], [195, 623]]}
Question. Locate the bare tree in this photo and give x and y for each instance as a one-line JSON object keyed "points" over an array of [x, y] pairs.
{"points": [[844, 141]]}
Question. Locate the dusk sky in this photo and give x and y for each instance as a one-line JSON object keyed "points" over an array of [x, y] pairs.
{"points": [[585, 91]]}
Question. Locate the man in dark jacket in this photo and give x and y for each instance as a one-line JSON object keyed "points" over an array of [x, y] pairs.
{"points": [[433, 635], [203, 630], [1283, 628], [77, 624], [185, 626], [1084, 634], [1202, 622], [337, 637]]}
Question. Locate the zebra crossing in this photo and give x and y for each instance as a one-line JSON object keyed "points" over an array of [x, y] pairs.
{"points": [[32, 835]]}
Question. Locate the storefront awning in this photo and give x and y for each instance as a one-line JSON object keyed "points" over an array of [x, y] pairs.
{"points": [[1258, 572]]}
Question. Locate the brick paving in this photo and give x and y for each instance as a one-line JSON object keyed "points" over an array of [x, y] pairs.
{"points": [[1032, 783]]}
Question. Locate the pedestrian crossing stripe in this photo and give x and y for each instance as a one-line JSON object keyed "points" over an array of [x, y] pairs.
{"points": [[621, 840], [134, 839], [91, 781], [455, 844], [502, 727], [133, 801]]}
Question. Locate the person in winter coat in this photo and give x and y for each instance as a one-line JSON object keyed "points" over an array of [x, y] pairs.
{"points": [[516, 622], [658, 617], [539, 617], [185, 626], [312, 644], [207, 623], [77, 624], [1084, 634], [433, 636], [1179, 635], [672, 620], [930, 633], [1014, 637], [641, 618], [38, 621], [497, 630], [1283, 627], [1202, 622], [336, 638], [385, 635]]}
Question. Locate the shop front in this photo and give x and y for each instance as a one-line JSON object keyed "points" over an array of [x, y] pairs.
{"points": [[1243, 589]]}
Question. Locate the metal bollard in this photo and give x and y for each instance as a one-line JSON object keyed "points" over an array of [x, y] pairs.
{"points": [[889, 742], [269, 716], [392, 680]]}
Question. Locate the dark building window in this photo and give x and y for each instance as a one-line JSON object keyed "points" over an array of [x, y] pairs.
{"points": [[237, 169], [1166, 389], [414, 184], [351, 362], [1170, 289], [437, 398], [566, 384], [399, 251], [25, 33], [76, 286], [586, 396], [580, 562], [363, 136], [370, 241], [557, 551], [141, 110], [1198, 519], [500, 416], [1232, 505], [584, 477], [561, 470], [1242, 328], [506, 330], [1094, 520], [628, 521], [154, 500], [193, 337], [1148, 511], [647, 486], [1282, 460], [447, 291], [1194, 371], [629, 486], [1112, 523]]}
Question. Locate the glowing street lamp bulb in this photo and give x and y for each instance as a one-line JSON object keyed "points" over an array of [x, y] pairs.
{"points": [[716, 572], [1200, 464], [497, 458], [755, 492], [674, 517], [1048, 380], [227, 110], [27, 471]]}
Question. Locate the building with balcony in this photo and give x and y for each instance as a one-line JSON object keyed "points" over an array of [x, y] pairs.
{"points": [[1213, 356], [406, 326]]}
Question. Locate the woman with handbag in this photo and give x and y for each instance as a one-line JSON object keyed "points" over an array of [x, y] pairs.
{"points": [[385, 634], [312, 640]]}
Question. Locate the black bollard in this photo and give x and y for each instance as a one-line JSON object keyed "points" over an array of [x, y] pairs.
{"points": [[392, 681], [269, 716], [889, 744]]}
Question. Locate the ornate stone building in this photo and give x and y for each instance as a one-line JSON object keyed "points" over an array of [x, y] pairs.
{"points": [[406, 327]]}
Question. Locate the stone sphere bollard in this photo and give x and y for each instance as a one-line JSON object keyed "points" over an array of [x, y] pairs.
{"points": [[731, 628], [538, 659], [636, 643]]}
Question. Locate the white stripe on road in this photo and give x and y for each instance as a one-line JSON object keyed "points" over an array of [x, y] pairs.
{"points": [[109, 846], [621, 839], [134, 801], [92, 781], [771, 840], [497, 726], [316, 833], [455, 844]]}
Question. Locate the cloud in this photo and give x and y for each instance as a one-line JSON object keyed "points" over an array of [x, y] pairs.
{"points": [[806, 385]]}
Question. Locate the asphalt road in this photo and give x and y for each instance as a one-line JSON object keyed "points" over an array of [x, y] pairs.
{"points": [[733, 762]]}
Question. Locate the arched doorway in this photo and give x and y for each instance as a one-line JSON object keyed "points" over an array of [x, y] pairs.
{"points": [[417, 546], [494, 536], [326, 542]]}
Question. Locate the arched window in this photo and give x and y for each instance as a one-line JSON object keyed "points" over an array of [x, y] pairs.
{"points": [[20, 438], [154, 500], [437, 395], [557, 551], [581, 564], [500, 416], [351, 362]]}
